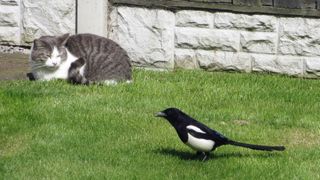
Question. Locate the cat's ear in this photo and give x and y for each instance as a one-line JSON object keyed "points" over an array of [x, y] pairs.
{"points": [[37, 43], [63, 39]]}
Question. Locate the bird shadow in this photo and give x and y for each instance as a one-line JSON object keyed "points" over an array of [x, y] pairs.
{"points": [[213, 156]]}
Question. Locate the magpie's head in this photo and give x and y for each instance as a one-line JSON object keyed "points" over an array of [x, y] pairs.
{"points": [[171, 114]]}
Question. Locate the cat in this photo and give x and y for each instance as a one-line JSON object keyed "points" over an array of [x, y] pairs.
{"points": [[79, 59]]}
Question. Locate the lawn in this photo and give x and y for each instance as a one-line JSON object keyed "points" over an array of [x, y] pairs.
{"points": [[54, 130]]}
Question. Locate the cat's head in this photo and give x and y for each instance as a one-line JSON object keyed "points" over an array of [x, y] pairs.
{"points": [[49, 51]]}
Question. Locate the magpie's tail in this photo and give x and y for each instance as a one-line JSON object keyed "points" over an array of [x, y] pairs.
{"points": [[257, 147]]}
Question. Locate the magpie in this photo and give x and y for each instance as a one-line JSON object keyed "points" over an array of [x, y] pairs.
{"points": [[200, 137]]}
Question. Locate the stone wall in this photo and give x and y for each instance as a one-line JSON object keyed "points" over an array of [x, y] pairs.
{"points": [[189, 39], [166, 38], [147, 35], [23, 20], [10, 22]]}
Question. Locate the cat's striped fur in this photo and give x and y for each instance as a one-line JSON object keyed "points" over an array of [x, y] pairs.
{"points": [[81, 59]]}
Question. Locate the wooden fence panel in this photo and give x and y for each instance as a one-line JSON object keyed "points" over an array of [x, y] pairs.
{"points": [[305, 8], [309, 4], [213, 1], [298, 4], [267, 2], [291, 4], [247, 2]]}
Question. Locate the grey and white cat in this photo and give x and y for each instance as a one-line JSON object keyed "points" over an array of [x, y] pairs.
{"points": [[80, 59]]}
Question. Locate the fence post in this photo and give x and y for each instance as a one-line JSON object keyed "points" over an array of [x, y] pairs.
{"points": [[92, 17]]}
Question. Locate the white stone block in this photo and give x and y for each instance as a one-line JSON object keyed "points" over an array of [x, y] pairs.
{"points": [[185, 59], [282, 64], [208, 39], [291, 65], [47, 18], [9, 16], [267, 63], [243, 62], [263, 23], [206, 60], [258, 42], [299, 36], [146, 34], [219, 60], [189, 18], [312, 66], [9, 35]]}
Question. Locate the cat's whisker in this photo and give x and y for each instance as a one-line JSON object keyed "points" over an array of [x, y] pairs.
{"points": [[36, 63], [38, 67]]}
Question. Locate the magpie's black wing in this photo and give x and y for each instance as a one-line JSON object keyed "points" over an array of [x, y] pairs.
{"points": [[200, 130], [199, 135]]}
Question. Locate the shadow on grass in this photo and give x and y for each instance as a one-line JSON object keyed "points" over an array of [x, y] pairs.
{"points": [[192, 156]]}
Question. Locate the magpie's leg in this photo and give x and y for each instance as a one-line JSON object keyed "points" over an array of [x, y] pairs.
{"points": [[205, 156]]}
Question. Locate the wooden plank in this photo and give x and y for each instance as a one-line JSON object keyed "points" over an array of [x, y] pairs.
{"points": [[267, 2], [178, 5], [291, 4], [219, 1], [309, 4], [299, 4], [247, 2], [213, 1]]}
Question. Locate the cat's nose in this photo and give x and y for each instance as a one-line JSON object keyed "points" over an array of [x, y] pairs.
{"points": [[54, 64]]}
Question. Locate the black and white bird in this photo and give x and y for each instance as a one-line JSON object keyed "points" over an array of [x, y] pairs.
{"points": [[200, 137]]}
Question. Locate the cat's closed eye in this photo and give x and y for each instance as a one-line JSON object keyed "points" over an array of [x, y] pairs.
{"points": [[43, 57], [40, 59], [47, 56]]}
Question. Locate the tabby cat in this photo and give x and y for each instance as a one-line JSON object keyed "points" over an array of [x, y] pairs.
{"points": [[80, 59]]}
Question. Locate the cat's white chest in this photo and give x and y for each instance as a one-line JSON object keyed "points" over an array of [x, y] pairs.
{"points": [[60, 73]]}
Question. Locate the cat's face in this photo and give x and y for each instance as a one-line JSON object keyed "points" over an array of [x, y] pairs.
{"points": [[49, 52]]}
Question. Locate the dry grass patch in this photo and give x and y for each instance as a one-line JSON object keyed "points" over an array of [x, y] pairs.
{"points": [[14, 145], [302, 138]]}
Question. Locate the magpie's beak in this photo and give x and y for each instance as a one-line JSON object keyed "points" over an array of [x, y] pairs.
{"points": [[160, 114]]}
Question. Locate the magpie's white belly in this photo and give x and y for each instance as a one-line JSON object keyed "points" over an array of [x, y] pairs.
{"points": [[197, 144]]}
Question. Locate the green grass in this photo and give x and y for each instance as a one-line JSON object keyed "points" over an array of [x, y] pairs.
{"points": [[55, 130]]}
